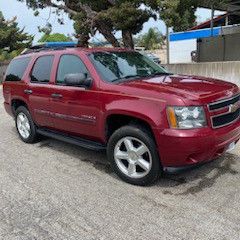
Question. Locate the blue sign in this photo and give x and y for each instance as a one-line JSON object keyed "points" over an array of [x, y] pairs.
{"points": [[195, 34]]}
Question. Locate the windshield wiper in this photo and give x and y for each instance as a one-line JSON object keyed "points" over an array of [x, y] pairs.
{"points": [[160, 74], [126, 77], [141, 76], [156, 74]]}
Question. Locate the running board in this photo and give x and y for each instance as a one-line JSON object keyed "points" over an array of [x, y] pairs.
{"points": [[72, 140]]}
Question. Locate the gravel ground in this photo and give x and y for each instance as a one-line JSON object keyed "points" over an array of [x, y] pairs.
{"points": [[53, 190]]}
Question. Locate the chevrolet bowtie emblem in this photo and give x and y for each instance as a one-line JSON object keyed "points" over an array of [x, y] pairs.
{"points": [[234, 107]]}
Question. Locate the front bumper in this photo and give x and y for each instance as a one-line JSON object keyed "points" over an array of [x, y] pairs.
{"points": [[178, 148]]}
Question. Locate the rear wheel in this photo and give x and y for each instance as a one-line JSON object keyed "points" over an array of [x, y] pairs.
{"points": [[133, 155], [25, 125]]}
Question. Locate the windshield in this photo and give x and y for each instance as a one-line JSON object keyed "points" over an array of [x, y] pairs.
{"points": [[122, 66]]}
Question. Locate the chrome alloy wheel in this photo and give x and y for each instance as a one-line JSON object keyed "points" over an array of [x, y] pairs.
{"points": [[23, 125], [133, 157]]}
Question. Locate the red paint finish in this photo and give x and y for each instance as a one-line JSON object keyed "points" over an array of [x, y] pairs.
{"points": [[84, 112]]}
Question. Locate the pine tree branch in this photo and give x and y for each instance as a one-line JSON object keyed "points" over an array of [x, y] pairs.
{"points": [[11, 21], [61, 7]]}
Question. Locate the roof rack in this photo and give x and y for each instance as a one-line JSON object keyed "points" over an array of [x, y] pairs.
{"points": [[49, 46]]}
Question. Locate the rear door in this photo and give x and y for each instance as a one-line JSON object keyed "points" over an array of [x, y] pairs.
{"points": [[39, 90], [76, 110], [13, 85]]}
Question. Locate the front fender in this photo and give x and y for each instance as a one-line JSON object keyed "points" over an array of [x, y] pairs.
{"points": [[150, 111]]}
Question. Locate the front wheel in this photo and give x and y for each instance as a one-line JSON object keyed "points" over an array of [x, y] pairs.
{"points": [[133, 155]]}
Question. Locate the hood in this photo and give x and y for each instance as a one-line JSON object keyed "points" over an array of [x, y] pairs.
{"points": [[187, 87]]}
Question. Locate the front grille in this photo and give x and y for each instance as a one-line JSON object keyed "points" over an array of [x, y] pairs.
{"points": [[226, 118], [224, 103]]}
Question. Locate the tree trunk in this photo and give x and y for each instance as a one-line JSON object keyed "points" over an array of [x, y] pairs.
{"points": [[127, 39], [83, 40], [102, 26], [106, 31]]}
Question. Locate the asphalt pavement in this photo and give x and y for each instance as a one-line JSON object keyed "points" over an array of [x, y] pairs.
{"points": [[54, 190]]}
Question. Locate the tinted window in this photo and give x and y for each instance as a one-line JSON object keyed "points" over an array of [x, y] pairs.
{"points": [[16, 69], [116, 66], [70, 64], [42, 69]]}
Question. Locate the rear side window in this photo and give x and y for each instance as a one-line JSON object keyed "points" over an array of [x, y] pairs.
{"points": [[42, 69], [16, 69], [70, 64]]}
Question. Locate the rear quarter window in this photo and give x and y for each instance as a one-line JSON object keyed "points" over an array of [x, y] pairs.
{"points": [[16, 69]]}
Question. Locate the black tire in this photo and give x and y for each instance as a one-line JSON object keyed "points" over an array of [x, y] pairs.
{"points": [[32, 138], [145, 137]]}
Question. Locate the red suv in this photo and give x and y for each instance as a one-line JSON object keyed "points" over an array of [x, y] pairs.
{"points": [[148, 120]]}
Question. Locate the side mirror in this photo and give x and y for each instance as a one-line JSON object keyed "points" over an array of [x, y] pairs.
{"points": [[77, 79]]}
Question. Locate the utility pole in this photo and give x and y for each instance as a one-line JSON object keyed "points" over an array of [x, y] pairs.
{"points": [[168, 50], [212, 16], [226, 20]]}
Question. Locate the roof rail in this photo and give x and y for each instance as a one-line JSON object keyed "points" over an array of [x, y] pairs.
{"points": [[49, 46]]}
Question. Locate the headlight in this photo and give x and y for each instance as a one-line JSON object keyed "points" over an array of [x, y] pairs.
{"points": [[186, 117]]}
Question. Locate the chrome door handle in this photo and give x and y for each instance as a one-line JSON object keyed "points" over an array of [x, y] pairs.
{"points": [[56, 95], [28, 91]]}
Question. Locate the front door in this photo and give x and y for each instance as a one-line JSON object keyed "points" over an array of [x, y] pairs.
{"points": [[76, 110]]}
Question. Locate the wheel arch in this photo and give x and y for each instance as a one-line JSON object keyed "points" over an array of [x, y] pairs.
{"points": [[116, 120], [16, 103]]}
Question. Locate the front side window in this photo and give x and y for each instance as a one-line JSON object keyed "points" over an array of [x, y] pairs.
{"points": [[17, 68], [42, 69], [70, 64], [120, 66]]}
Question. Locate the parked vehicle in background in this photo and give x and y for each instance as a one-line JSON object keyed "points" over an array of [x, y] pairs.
{"points": [[148, 120], [153, 57], [194, 56], [148, 54]]}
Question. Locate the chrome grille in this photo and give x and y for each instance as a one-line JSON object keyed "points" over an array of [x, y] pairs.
{"points": [[231, 115], [223, 103]]}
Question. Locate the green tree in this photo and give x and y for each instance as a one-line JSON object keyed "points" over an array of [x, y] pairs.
{"points": [[180, 14], [11, 36], [104, 16], [127, 16], [55, 37], [12, 39], [153, 39]]}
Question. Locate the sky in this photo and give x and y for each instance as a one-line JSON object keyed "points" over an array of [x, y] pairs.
{"points": [[27, 20]]}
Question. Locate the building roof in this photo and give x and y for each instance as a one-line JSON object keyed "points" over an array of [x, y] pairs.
{"points": [[229, 6], [206, 24], [203, 30]]}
